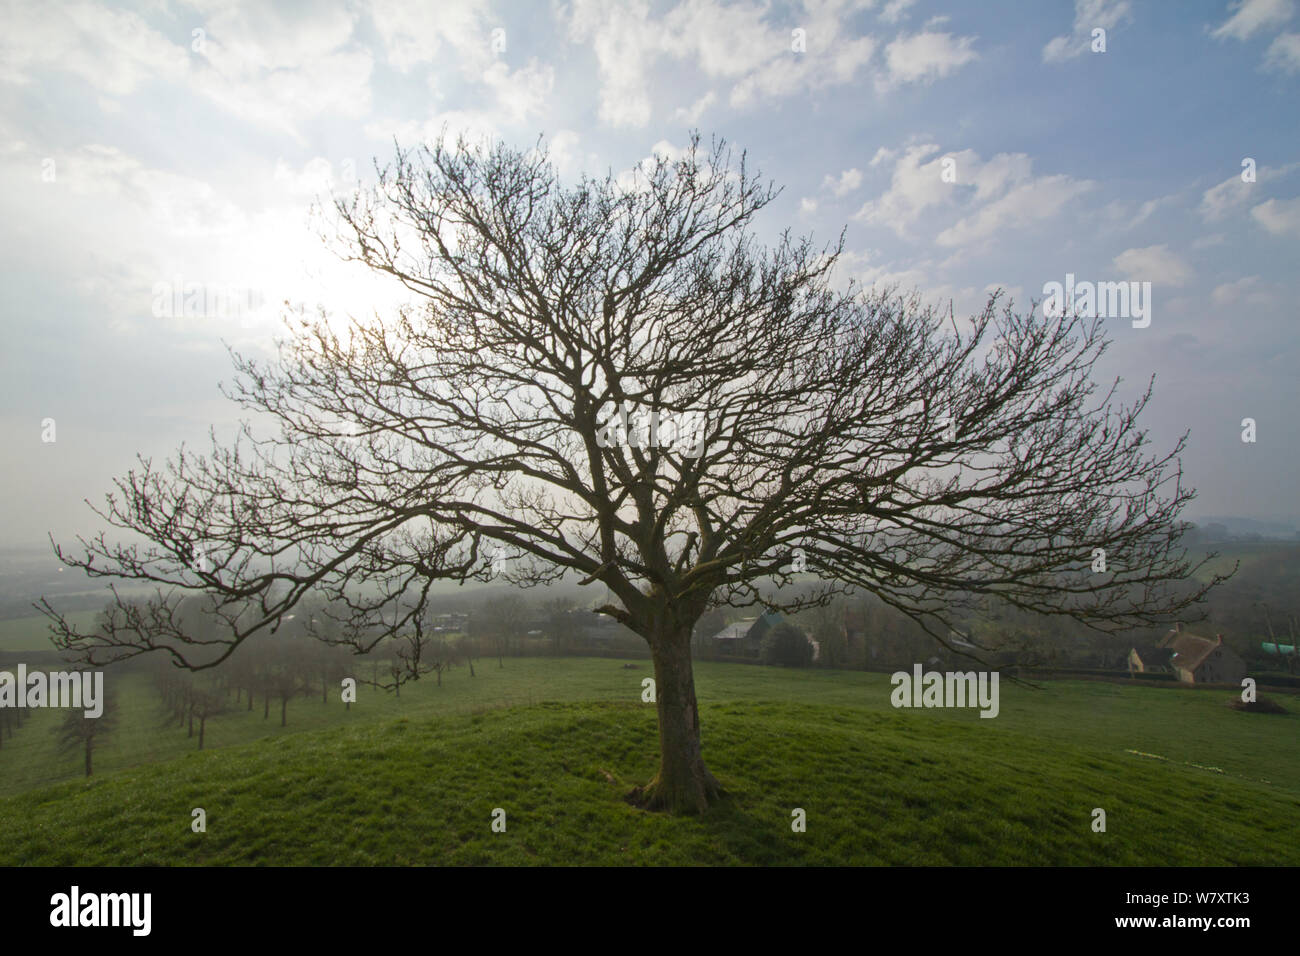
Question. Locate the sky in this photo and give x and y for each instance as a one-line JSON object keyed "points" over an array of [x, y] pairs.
{"points": [[962, 148]]}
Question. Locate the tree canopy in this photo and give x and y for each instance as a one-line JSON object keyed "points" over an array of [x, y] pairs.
{"points": [[485, 432]]}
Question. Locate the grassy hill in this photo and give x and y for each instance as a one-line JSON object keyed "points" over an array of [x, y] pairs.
{"points": [[415, 781], [32, 633]]}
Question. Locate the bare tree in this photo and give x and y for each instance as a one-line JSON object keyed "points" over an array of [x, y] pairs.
{"points": [[558, 613], [464, 644], [11, 718], [283, 679], [206, 700], [440, 656], [499, 620], [490, 432], [84, 735]]}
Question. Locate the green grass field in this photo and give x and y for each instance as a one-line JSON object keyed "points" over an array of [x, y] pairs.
{"points": [[33, 633], [557, 744]]}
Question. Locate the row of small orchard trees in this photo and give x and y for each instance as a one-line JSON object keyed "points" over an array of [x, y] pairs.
{"points": [[84, 735], [271, 672], [77, 733]]}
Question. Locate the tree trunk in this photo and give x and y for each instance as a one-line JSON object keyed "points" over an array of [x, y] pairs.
{"points": [[191, 717], [683, 784], [203, 723], [284, 704], [250, 698], [324, 690], [266, 705], [90, 746]]}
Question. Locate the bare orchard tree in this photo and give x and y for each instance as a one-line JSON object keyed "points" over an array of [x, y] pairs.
{"points": [[614, 380], [82, 735], [207, 700], [498, 621]]}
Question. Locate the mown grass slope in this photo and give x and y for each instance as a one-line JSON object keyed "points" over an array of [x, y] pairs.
{"points": [[878, 785]]}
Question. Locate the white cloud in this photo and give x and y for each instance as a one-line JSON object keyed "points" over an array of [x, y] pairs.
{"points": [[1026, 203], [903, 280], [731, 42], [477, 126], [882, 155], [1147, 208], [744, 44], [992, 178], [999, 192], [845, 183], [258, 65], [690, 115], [521, 93], [1126, 216], [1088, 16], [636, 177], [807, 206], [175, 206], [413, 37], [1283, 54], [924, 57], [276, 70], [1153, 264], [1251, 16], [1247, 290], [915, 186], [833, 58], [625, 43], [317, 177], [564, 153], [458, 41], [1221, 200], [1229, 196], [895, 10], [114, 51], [1280, 217]]}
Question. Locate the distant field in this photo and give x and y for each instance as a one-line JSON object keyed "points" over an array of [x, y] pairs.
{"points": [[1249, 554], [33, 633], [415, 780]]}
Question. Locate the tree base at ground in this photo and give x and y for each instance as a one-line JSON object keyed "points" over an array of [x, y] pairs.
{"points": [[691, 796]]}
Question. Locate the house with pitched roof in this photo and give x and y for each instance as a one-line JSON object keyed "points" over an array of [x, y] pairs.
{"points": [[1149, 659], [744, 638], [1199, 660]]}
